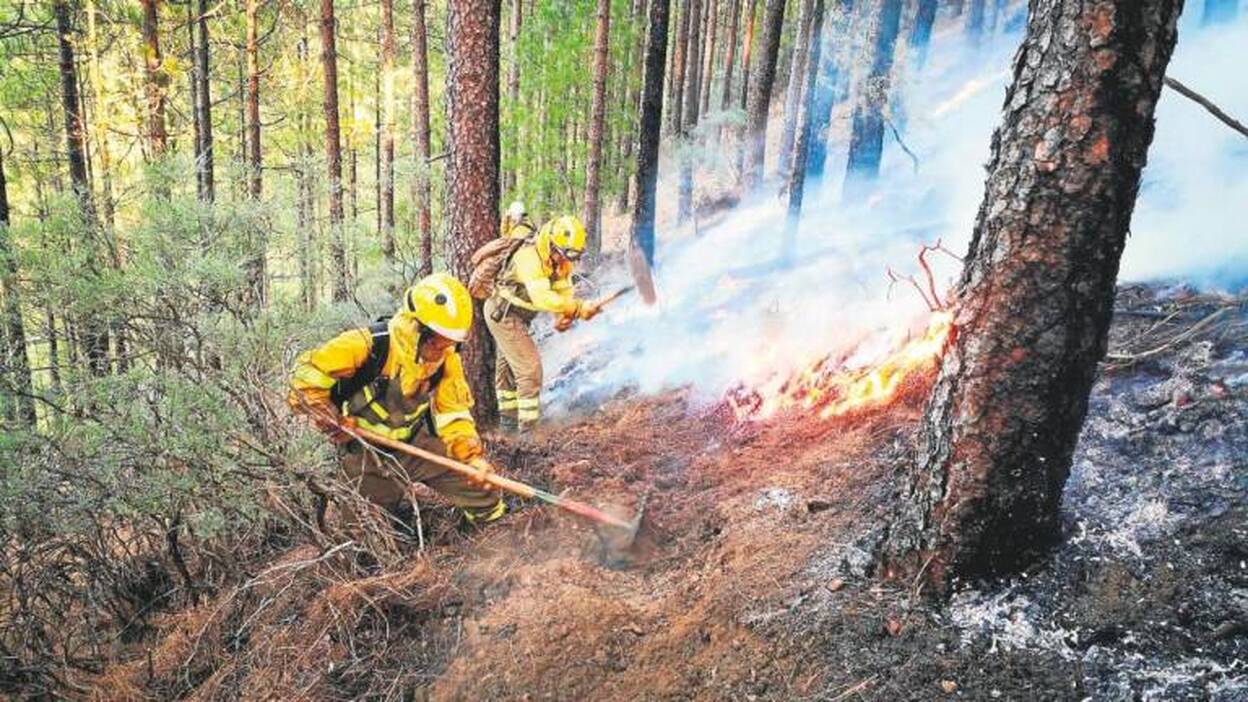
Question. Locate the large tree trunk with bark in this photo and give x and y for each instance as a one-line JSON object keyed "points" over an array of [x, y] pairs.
{"points": [[472, 170], [689, 115], [422, 195], [650, 123], [16, 362], [387, 129], [597, 115], [333, 149], [921, 33], [1036, 295], [793, 94], [154, 86], [755, 143], [866, 141], [797, 176]]}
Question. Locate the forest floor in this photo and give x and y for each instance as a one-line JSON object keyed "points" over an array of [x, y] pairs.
{"points": [[752, 582]]}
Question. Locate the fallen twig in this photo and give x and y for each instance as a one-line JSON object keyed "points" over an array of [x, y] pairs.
{"points": [[1182, 336], [862, 685], [1205, 103]]}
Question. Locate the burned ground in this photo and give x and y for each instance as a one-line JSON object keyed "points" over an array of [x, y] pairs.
{"points": [[755, 579]]}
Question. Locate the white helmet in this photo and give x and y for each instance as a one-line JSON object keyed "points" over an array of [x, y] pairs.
{"points": [[516, 211]]}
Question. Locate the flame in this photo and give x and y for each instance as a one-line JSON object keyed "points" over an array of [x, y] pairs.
{"points": [[832, 389]]}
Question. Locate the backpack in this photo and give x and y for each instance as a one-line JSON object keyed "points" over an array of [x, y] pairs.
{"points": [[490, 260], [346, 388]]}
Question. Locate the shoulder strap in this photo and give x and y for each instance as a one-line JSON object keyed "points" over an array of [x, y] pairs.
{"points": [[344, 389]]}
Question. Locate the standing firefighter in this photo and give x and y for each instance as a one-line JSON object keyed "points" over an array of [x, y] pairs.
{"points": [[403, 379], [535, 277], [516, 222]]}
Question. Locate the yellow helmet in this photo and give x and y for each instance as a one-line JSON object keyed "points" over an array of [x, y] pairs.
{"points": [[564, 234], [441, 303]]}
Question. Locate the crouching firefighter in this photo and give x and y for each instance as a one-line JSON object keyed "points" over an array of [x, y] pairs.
{"points": [[402, 378], [536, 277]]}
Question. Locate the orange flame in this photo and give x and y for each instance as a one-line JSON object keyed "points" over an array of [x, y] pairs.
{"points": [[834, 390]]}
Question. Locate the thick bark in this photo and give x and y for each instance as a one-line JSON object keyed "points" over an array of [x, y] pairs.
{"points": [[204, 107], [421, 189], [16, 362], [154, 85], [472, 167], [333, 150], [1036, 295], [921, 33], [1219, 12], [693, 63], [797, 177], [650, 123], [866, 141], [755, 144], [793, 94], [387, 129], [597, 115]]}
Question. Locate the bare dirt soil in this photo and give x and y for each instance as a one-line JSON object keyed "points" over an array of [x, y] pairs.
{"points": [[755, 580]]}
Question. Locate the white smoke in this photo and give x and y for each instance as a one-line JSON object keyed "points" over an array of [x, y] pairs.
{"points": [[729, 313]]}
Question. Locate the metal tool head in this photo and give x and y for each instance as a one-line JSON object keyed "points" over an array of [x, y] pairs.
{"points": [[622, 547]]}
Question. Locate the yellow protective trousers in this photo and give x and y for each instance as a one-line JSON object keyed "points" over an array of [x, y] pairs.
{"points": [[518, 364]]}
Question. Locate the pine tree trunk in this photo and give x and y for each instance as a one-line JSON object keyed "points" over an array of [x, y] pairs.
{"points": [[650, 123], [422, 194], [472, 167], [513, 82], [755, 143], [333, 150], [633, 105], [101, 126], [255, 267], [797, 176], [1036, 295], [349, 135], [204, 107], [598, 113], [16, 360], [921, 33], [866, 142], [1219, 12], [747, 50], [193, 85], [708, 63], [157, 136], [730, 56], [677, 97], [793, 94], [303, 206], [693, 64], [387, 129]]}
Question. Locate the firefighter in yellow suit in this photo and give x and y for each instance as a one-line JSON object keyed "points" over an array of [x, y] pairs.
{"points": [[537, 279], [416, 393]]}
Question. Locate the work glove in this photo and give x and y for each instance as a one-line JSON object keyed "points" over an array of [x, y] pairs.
{"points": [[333, 428], [588, 310], [565, 323], [466, 449], [484, 468]]}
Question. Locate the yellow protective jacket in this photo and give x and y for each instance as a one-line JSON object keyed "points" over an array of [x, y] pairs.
{"points": [[533, 282], [413, 393]]}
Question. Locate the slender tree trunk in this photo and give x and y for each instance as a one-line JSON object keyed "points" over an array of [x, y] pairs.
{"points": [[797, 176], [303, 207], [472, 170], [627, 136], [101, 121], [1219, 12], [793, 95], [387, 129], [95, 332], [651, 126], [921, 33], [333, 150], [708, 67], [421, 189], [16, 361], [157, 136], [1036, 296], [747, 50], [255, 173], [679, 72], [975, 21], [349, 137], [755, 144], [204, 107], [513, 83], [693, 63], [866, 143], [730, 55], [193, 85], [598, 113], [827, 91]]}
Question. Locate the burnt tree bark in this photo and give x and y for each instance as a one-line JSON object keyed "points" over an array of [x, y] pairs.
{"points": [[755, 144], [333, 149], [387, 129], [422, 194], [797, 176], [154, 86], [16, 361], [472, 170], [651, 125], [597, 115], [689, 115], [921, 33], [1036, 295], [793, 93], [866, 141]]}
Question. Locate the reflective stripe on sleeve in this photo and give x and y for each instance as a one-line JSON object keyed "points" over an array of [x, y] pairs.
{"points": [[440, 421], [313, 377]]}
